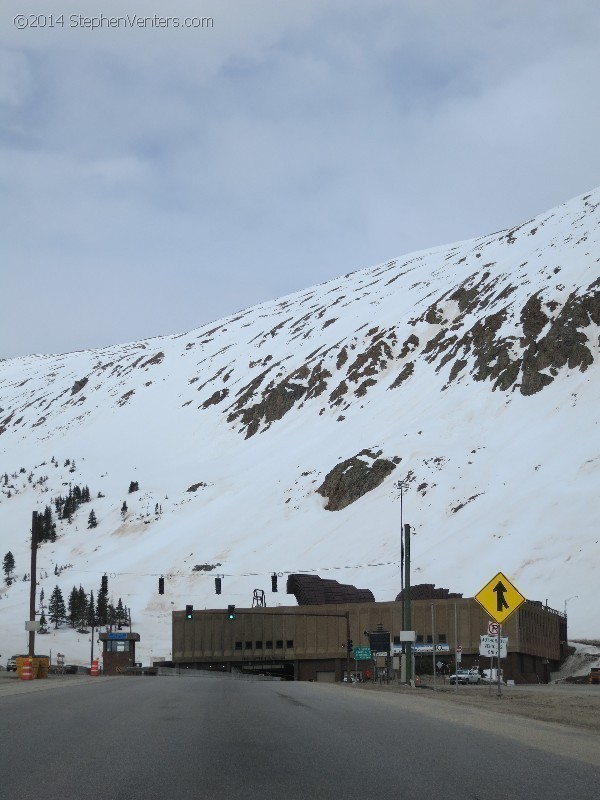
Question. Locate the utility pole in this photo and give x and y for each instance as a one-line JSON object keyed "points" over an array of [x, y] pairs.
{"points": [[348, 645], [407, 602], [33, 581], [92, 647], [433, 642], [456, 649], [401, 485]]}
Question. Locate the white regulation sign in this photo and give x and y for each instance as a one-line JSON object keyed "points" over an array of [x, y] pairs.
{"points": [[488, 646]]}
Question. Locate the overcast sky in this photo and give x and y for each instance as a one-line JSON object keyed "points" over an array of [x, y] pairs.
{"points": [[155, 179]]}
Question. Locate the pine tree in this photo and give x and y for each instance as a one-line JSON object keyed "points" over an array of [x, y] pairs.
{"points": [[43, 620], [72, 607], [68, 507], [8, 566], [76, 607], [92, 521], [120, 614], [102, 607], [46, 527], [82, 607], [56, 607], [91, 610]]}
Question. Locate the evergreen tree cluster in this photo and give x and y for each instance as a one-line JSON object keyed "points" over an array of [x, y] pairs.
{"points": [[67, 506], [46, 528], [58, 570], [82, 610]]}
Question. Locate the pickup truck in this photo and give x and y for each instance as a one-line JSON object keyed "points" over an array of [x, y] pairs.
{"points": [[465, 676]]}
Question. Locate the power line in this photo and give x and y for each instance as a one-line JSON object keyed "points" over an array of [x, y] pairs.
{"points": [[208, 573]]}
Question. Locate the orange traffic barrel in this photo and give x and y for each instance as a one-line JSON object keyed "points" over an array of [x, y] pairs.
{"points": [[95, 670], [27, 670]]}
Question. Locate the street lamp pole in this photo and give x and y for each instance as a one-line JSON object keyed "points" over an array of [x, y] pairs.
{"points": [[575, 597], [407, 603], [33, 581]]}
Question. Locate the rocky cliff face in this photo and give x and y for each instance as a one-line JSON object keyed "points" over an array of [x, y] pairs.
{"points": [[511, 310]]}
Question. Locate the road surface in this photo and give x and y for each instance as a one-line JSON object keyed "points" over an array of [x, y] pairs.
{"points": [[203, 736]]}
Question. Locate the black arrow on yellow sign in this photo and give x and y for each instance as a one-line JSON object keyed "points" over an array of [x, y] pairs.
{"points": [[499, 598], [500, 590]]}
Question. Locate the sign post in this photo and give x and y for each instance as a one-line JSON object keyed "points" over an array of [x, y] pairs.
{"points": [[500, 599]]}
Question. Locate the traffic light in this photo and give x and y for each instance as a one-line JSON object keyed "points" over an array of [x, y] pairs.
{"points": [[217, 585], [231, 612], [161, 585], [350, 645], [274, 582], [189, 612], [105, 583]]}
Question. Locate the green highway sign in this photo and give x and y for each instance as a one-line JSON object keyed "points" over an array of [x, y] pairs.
{"points": [[362, 653]]}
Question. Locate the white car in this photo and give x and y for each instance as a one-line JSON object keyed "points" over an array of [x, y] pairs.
{"points": [[466, 676], [11, 664]]}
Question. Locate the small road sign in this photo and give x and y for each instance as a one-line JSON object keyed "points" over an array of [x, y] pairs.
{"points": [[361, 653], [494, 628], [500, 598], [488, 646]]}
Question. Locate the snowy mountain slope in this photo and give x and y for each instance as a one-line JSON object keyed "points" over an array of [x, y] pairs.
{"points": [[469, 372]]}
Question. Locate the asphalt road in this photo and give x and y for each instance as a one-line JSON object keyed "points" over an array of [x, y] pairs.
{"points": [[168, 738]]}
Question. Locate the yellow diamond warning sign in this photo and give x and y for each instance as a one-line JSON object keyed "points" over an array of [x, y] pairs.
{"points": [[500, 598]]}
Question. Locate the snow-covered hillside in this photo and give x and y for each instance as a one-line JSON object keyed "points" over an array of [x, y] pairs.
{"points": [[468, 372]]}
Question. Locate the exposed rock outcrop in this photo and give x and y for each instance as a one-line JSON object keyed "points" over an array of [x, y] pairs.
{"points": [[353, 478]]}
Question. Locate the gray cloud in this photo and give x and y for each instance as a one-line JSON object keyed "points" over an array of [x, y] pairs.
{"points": [[154, 180]]}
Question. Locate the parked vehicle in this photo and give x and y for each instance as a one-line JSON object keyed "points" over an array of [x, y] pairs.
{"points": [[491, 676], [466, 676], [11, 664], [595, 675]]}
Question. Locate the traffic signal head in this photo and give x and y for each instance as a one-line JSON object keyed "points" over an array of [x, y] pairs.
{"points": [[161, 585], [189, 612], [105, 583], [350, 645], [231, 612], [217, 585], [274, 582]]}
